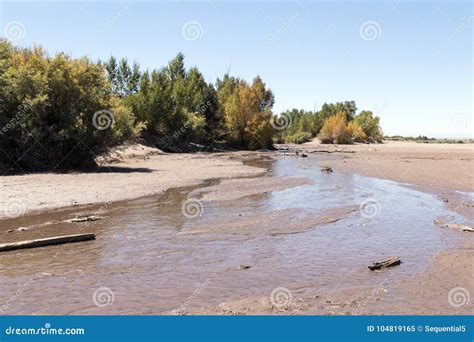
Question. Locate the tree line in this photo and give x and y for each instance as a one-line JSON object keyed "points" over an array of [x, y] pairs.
{"points": [[335, 123], [61, 112]]}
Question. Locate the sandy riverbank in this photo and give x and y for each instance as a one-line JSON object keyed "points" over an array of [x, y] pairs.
{"points": [[133, 172]]}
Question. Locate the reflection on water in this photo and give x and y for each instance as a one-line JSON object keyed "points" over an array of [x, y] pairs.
{"points": [[143, 257]]}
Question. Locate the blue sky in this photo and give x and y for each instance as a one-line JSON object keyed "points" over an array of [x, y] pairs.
{"points": [[409, 62]]}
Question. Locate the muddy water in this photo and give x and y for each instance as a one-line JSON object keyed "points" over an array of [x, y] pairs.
{"points": [[154, 259]]}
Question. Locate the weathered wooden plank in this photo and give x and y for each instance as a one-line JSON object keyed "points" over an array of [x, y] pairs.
{"points": [[85, 218], [460, 227], [56, 240], [392, 261]]}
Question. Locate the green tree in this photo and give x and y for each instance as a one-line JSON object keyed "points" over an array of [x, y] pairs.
{"points": [[123, 79], [370, 124], [176, 103], [349, 108], [301, 126], [111, 69]]}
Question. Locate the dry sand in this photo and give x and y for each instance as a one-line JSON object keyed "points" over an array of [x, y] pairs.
{"points": [[137, 171]]}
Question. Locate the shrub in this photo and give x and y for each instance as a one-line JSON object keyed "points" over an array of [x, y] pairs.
{"points": [[335, 130], [298, 138], [47, 110], [124, 126], [358, 133], [196, 124], [299, 126]]}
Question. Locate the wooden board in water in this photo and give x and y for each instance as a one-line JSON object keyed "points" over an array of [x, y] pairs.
{"points": [[56, 240]]}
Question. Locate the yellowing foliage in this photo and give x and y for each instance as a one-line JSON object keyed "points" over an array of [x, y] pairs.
{"points": [[247, 116], [358, 133], [335, 130]]}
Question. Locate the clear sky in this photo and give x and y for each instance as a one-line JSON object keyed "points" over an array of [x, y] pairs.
{"points": [[408, 61]]}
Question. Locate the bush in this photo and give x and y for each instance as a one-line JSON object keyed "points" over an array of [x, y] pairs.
{"points": [[298, 138], [196, 125], [124, 126], [48, 109], [358, 133], [301, 126], [335, 130]]}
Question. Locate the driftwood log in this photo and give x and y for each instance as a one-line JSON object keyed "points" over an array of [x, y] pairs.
{"points": [[85, 218], [57, 240], [244, 267], [392, 261], [460, 227]]}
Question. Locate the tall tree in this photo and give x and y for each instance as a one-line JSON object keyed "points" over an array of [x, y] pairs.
{"points": [[134, 81], [349, 108], [112, 73], [247, 113]]}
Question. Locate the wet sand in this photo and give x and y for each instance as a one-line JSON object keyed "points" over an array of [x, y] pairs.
{"points": [[424, 293]]}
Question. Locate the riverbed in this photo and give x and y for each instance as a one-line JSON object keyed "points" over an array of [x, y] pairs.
{"points": [[154, 255]]}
